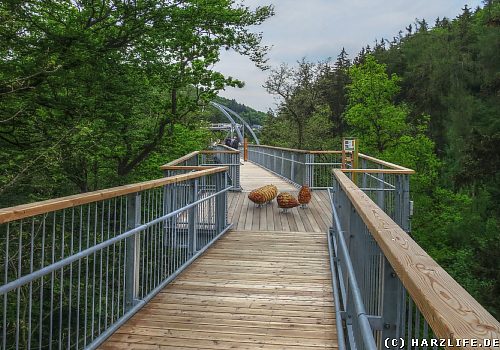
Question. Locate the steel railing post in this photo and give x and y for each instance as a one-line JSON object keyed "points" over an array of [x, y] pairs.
{"points": [[364, 176], [309, 170], [402, 202], [238, 172], [192, 217], [405, 222], [391, 298], [132, 251], [398, 200], [381, 192], [282, 164], [220, 202]]}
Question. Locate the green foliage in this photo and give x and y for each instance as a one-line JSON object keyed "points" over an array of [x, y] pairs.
{"points": [[90, 90], [278, 131], [372, 114]]}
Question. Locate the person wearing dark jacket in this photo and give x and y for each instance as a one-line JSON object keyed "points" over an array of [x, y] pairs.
{"points": [[235, 143]]}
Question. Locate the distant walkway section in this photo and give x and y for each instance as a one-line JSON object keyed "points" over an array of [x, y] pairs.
{"points": [[245, 215]]}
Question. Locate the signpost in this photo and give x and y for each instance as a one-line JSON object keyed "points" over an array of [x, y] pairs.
{"points": [[350, 154]]}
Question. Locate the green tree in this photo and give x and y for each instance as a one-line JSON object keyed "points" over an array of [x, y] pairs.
{"points": [[296, 89], [372, 114], [332, 84]]}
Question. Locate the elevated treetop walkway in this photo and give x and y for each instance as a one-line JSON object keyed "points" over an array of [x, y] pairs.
{"points": [[187, 262]]}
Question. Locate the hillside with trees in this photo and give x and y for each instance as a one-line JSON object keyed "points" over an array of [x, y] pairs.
{"points": [[428, 99], [250, 115]]}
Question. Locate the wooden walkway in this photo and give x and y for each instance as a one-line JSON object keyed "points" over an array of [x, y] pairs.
{"points": [[264, 285], [247, 216]]}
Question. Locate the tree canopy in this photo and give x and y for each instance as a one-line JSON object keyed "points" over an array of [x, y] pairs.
{"points": [[90, 90]]}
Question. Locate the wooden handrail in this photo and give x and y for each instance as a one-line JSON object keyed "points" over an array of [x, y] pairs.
{"points": [[219, 152], [37, 208], [281, 148], [227, 147], [379, 171], [297, 150], [327, 152], [183, 158], [195, 153], [450, 310], [384, 163], [187, 167]]}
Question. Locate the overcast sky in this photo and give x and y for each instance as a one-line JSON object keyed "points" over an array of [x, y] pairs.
{"points": [[318, 29]]}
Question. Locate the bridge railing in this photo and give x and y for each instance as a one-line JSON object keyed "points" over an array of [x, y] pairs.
{"points": [[386, 183], [300, 167], [207, 159], [74, 269], [389, 292]]}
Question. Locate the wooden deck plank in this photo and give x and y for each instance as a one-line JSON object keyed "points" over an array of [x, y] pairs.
{"points": [[248, 206], [291, 220], [269, 218]]}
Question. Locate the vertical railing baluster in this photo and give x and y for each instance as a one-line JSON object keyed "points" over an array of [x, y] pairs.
{"points": [[61, 272], [86, 299], [405, 222], [52, 282], [192, 217], [132, 251], [94, 256], [19, 274], [70, 296], [6, 279], [391, 292], [381, 187], [30, 298]]}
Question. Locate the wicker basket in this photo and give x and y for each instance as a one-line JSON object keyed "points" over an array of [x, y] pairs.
{"points": [[263, 194], [304, 196], [286, 201]]}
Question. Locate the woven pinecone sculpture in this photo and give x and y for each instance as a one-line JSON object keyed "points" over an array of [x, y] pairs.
{"points": [[263, 194], [286, 201], [304, 196]]}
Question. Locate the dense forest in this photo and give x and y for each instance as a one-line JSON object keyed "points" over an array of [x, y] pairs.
{"points": [[98, 94], [428, 99]]}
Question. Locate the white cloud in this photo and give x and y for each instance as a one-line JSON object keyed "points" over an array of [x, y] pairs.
{"points": [[318, 29]]}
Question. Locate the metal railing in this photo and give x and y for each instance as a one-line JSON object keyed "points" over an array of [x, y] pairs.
{"points": [[207, 159], [74, 269], [386, 183], [311, 168], [389, 293]]}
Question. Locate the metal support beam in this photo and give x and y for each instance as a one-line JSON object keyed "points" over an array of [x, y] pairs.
{"points": [[192, 218], [133, 250]]}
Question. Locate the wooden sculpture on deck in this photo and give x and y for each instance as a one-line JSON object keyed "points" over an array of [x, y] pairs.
{"points": [[263, 194], [286, 201], [304, 196]]}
